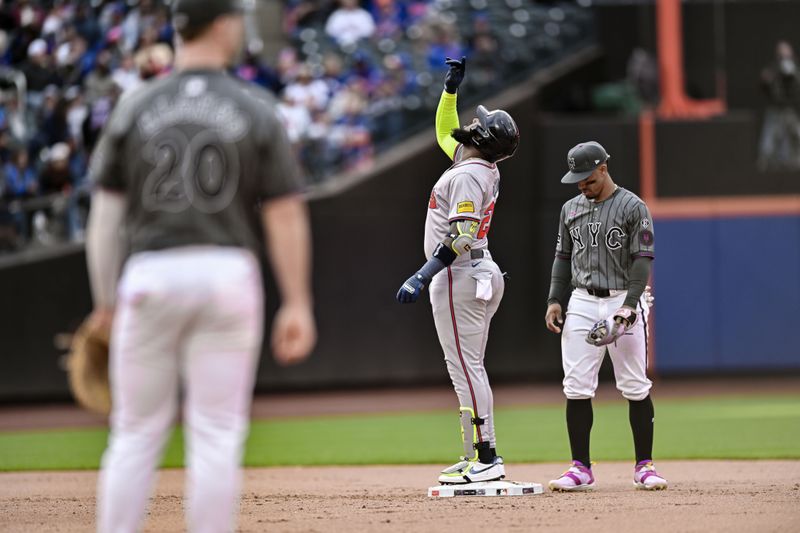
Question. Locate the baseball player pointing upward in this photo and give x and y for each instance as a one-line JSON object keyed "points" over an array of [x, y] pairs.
{"points": [[466, 285], [604, 249], [190, 169]]}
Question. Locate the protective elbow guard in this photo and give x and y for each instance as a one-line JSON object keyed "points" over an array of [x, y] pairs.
{"points": [[462, 234], [462, 243]]}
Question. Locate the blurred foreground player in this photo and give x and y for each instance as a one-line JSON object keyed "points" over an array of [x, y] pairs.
{"points": [[190, 169], [466, 284]]}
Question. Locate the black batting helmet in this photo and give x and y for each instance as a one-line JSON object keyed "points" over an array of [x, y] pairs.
{"points": [[497, 135]]}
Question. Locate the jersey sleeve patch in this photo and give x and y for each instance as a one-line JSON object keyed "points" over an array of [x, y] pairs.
{"points": [[465, 207], [432, 202], [646, 237]]}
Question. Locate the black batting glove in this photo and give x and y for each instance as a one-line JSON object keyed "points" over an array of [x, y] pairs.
{"points": [[455, 74], [410, 291]]}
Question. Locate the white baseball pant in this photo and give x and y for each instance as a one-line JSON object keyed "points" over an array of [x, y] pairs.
{"points": [[190, 316], [582, 360]]}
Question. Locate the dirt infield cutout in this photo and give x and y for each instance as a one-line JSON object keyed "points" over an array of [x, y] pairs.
{"points": [[704, 496]]}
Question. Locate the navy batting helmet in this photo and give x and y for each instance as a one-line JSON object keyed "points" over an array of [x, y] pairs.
{"points": [[497, 135]]}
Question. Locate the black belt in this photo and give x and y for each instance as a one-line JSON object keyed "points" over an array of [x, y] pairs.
{"points": [[478, 254], [600, 293]]}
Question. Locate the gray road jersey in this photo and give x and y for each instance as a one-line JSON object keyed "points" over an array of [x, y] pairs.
{"points": [[602, 240], [195, 153], [468, 190]]}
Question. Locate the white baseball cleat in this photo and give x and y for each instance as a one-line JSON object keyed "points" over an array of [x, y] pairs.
{"points": [[473, 471], [455, 473], [577, 478], [645, 477]]}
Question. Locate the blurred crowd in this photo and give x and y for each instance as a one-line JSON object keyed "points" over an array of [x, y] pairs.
{"points": [[361, 75], [65, 64], [354, 77]]}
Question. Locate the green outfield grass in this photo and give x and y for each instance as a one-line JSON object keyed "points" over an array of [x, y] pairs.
{"points": [[759, 427]]}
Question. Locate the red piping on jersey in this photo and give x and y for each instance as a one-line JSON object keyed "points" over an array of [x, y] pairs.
{"points": [[458, 348], [491, 166]]}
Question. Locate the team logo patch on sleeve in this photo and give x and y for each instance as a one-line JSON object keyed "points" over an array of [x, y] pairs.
{"points": [[646, 237], [465, 207], [432, 202]]}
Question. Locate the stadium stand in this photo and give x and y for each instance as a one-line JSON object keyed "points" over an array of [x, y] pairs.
{"points": [[353, 79]]}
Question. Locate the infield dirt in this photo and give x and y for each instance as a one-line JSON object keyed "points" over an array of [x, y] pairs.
{"points": [[704, 496]]}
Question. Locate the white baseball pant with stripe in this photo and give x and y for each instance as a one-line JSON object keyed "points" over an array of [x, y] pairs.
{"points": [[464, 298]]}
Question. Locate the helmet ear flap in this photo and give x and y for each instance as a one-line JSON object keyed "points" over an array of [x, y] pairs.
{"points": [[496, 135], [481, 135]]}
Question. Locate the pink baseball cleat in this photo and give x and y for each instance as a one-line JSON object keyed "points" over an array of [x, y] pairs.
{"points": [[645, 476], [577, 478]]}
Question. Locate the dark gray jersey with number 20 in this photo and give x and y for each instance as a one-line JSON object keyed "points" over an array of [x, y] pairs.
{"points": [[602, 239], [195, 153]]}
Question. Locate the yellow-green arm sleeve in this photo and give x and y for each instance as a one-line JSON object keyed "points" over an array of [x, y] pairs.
{"points": [[446, 122]]}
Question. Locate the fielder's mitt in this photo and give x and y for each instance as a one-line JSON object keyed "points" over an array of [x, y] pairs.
{"points": [[87, 367], [610, 329]]}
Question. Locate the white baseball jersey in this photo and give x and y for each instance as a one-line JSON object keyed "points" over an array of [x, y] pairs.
{"points": [[467, 190]]}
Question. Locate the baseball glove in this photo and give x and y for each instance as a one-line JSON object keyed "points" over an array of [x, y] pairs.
{"points": [[612, 328], [649, 299], [87, 367]]}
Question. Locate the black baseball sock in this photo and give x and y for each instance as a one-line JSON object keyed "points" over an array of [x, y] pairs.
{"points": [[579, 426], [641, 415], [485, 452]]}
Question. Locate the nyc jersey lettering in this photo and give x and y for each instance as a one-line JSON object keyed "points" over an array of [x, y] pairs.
{"points": [[594, 229], [613, 236], [575, 232]]}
